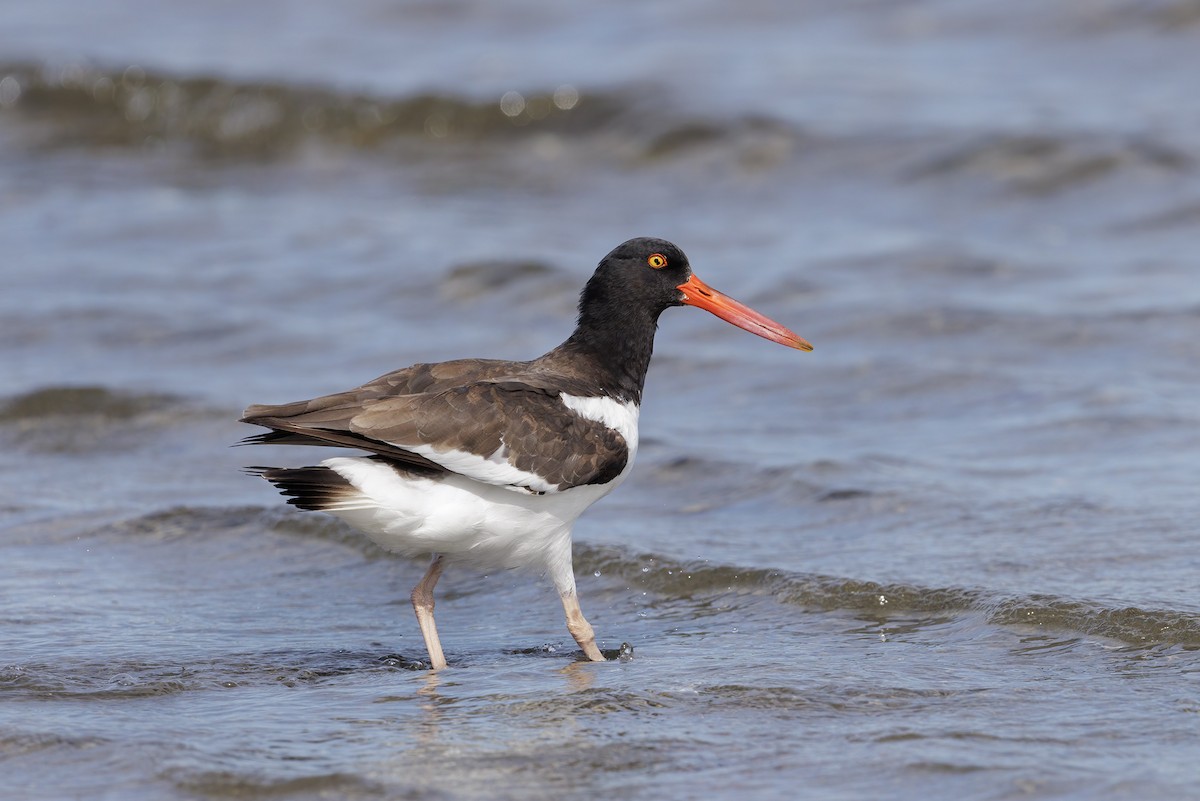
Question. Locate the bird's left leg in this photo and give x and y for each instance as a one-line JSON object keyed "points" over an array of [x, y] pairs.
{"points": [[422, 601]]}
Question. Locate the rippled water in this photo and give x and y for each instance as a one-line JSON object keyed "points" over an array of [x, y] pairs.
{"points": [[949, 554]]}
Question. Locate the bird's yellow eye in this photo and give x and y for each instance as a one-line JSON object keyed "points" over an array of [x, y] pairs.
{"points": [[657, 261]]}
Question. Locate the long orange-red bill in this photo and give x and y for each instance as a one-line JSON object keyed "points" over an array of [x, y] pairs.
{"points": [[697, 293]]}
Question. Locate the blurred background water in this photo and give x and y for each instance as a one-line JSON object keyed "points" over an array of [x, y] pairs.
{"points": [[950, 554]]}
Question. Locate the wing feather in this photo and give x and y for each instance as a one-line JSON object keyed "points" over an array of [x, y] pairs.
{"points": [[474, 418]]}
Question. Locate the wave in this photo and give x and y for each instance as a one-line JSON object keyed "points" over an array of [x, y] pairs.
{"points": [[209, 117], [80, 419], [83, 401], [224, 116], [180, 522], [1169, 16], [1045, 163], [668, 578], [1141, 627], [220, 117]]}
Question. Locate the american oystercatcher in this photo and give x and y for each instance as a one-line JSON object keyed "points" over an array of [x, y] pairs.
{"points": [[488, 463]]}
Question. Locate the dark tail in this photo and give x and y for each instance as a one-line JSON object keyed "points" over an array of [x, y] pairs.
{"points": [[316, 489]]}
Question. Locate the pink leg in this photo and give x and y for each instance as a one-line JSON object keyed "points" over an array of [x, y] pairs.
{"points": [[580, 629], [422, 601]]}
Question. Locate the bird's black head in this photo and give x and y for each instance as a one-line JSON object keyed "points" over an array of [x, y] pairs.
{"points": [[620, 306], [639, 277], [642, 277]]}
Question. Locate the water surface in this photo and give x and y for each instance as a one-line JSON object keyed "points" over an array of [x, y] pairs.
{"points": [[949, 554]]}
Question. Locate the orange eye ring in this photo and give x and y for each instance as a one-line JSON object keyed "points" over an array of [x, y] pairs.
{"points": [[657, 261]]}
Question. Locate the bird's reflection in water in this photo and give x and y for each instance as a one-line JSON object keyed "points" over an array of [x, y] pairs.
{"points": [[580, 676], [434, 702], [474, 725], [431, 703]]}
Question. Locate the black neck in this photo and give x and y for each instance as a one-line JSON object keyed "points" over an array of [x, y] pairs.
{"points": [[618, 342]]}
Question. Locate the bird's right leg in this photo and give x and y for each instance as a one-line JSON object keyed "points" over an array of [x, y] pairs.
{"points": [[580, 629], [562, 573], [422, 601]]}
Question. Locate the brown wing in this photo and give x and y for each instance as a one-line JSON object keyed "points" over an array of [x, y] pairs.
{"points": [[499, 430], [415, 380], [326, 419]]}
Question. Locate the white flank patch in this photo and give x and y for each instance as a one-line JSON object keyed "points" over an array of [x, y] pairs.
{"points": [[494, 469], [620, 417]]}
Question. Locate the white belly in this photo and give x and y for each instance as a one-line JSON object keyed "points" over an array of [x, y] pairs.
{"points": [[481, 525], [486, 526]]}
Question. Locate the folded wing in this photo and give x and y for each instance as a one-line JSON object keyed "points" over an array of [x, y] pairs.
{"points": [[491, 428]]}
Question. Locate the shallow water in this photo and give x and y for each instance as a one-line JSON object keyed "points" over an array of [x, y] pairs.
{"points": [[949, 554]]}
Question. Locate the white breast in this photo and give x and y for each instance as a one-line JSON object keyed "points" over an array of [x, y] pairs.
{"points": [[620, 417]]}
